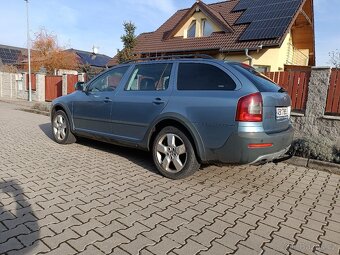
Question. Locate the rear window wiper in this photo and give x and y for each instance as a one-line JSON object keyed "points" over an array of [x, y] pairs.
{"points": [[282, 90]]}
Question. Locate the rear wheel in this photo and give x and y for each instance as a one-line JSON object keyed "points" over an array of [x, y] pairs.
{"points": [[61, 128], [173, 154]]}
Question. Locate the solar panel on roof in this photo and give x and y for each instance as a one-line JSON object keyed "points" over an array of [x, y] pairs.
{"points": [[267, 19], [264, 30], [93, 60], [9, 56]]}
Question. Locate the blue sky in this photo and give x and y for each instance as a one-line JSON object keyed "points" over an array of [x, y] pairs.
{"points": [[81, 24]]}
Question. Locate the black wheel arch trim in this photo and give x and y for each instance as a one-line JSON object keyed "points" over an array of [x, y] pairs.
{"points": [[184, 122], [67, 111]]}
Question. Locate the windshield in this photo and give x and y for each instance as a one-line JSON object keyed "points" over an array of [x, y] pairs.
{"points": [[262, 82]]}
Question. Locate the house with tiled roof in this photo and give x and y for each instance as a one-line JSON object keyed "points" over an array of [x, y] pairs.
{"points": [[92, 59], [11, 55], [266, 34]]}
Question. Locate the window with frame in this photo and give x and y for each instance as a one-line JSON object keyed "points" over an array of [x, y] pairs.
{"points": [[197, 76], [262, 69], [192, 30], [148, 77], [108, 81], [207, 28]]}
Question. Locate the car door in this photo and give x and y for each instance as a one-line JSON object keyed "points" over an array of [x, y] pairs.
{"points": [[141, 100], [92, 109]]}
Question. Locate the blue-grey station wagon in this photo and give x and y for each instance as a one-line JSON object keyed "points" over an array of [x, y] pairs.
{"points": [[186, 111]]}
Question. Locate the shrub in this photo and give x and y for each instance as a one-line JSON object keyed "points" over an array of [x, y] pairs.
{"points": [[314, 150]]}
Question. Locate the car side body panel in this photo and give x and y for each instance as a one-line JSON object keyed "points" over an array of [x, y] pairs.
{"points": [[130, 118]]}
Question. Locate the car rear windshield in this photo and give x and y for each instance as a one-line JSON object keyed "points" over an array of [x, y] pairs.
{"points": [[262, 83]]}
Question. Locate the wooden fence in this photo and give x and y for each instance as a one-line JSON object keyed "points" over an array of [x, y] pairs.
{"points": [[53, 87], [296, 84], [333, 97], [33, 82], [71, 81]]}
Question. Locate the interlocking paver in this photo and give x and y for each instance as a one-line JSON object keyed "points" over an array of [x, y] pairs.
{"points": [[134, 230], [59, 227], [217, 249], [230, 240], [137, 244], [93, 198], [54, 241], [64, 249], [10, 245], [35, 248], [19, 230], [164, 246], [80, 243], [157, 233], [112, 242], [91, 250]]}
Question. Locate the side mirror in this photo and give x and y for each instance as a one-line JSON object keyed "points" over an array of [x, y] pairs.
{"points": [[79, 86]]}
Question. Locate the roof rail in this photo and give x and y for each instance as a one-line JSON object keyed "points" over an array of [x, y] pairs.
{"points": [[203, 56]]}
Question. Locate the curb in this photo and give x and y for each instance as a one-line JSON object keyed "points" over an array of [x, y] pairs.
{"points": [[315, 164], [34, 111]]}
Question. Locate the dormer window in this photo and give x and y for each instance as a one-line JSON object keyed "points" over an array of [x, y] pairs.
{"points": [[207, 28], [192, 30]]}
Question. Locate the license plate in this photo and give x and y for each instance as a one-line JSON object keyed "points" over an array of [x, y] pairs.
{"points": [[283, 112]]}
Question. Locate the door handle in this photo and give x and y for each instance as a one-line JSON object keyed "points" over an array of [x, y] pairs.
{"points": [[107, 100], [158, 101]]}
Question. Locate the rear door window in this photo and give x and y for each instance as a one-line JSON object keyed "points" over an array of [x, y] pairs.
{"points": [[261, 82], [197, 76], [148, 77]]}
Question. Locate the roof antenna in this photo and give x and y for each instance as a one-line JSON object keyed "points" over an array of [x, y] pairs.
{"points": [[95, 50]]}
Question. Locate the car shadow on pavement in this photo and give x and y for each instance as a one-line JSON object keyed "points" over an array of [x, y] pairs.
{"points": [[139, 157], [19, 228], [47, 129]]}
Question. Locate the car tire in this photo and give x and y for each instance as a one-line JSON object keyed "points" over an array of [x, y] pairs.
{"points": [[61, 128], [173, 154]]}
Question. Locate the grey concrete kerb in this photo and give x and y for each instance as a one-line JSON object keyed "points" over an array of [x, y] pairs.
{"points": [[315, 164]]}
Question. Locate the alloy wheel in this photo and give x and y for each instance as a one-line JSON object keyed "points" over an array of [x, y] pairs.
{"points": [[59, 127], [171, 153]]}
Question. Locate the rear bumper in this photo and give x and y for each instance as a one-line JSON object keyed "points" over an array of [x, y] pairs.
{"points": [[236, 150]]}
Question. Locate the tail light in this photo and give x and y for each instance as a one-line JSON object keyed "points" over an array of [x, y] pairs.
{"points": [[249, 108]]}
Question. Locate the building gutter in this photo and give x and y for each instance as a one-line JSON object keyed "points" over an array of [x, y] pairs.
{"points": [[249, 58]]}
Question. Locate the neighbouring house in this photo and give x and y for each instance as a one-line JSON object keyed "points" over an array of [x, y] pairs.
{"points": [[266, 34], [12, 56], [91, 63]]}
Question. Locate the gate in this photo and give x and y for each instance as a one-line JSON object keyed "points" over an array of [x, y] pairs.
{"points": [[53, 87], [71, 81]]}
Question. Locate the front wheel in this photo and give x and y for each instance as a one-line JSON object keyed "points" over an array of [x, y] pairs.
{"points": [[173, 154], [61, 129]]}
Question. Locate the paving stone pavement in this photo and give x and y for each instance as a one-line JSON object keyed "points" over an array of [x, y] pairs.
{"points": [[93, 198]]}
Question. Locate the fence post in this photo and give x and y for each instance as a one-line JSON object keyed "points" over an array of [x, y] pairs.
{"points": [[317, 92], [81, 77], [64, 85], [40, 87]]}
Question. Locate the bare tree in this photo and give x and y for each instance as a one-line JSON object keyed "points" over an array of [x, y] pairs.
{"points": [[47, 53], [335, 58]]}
